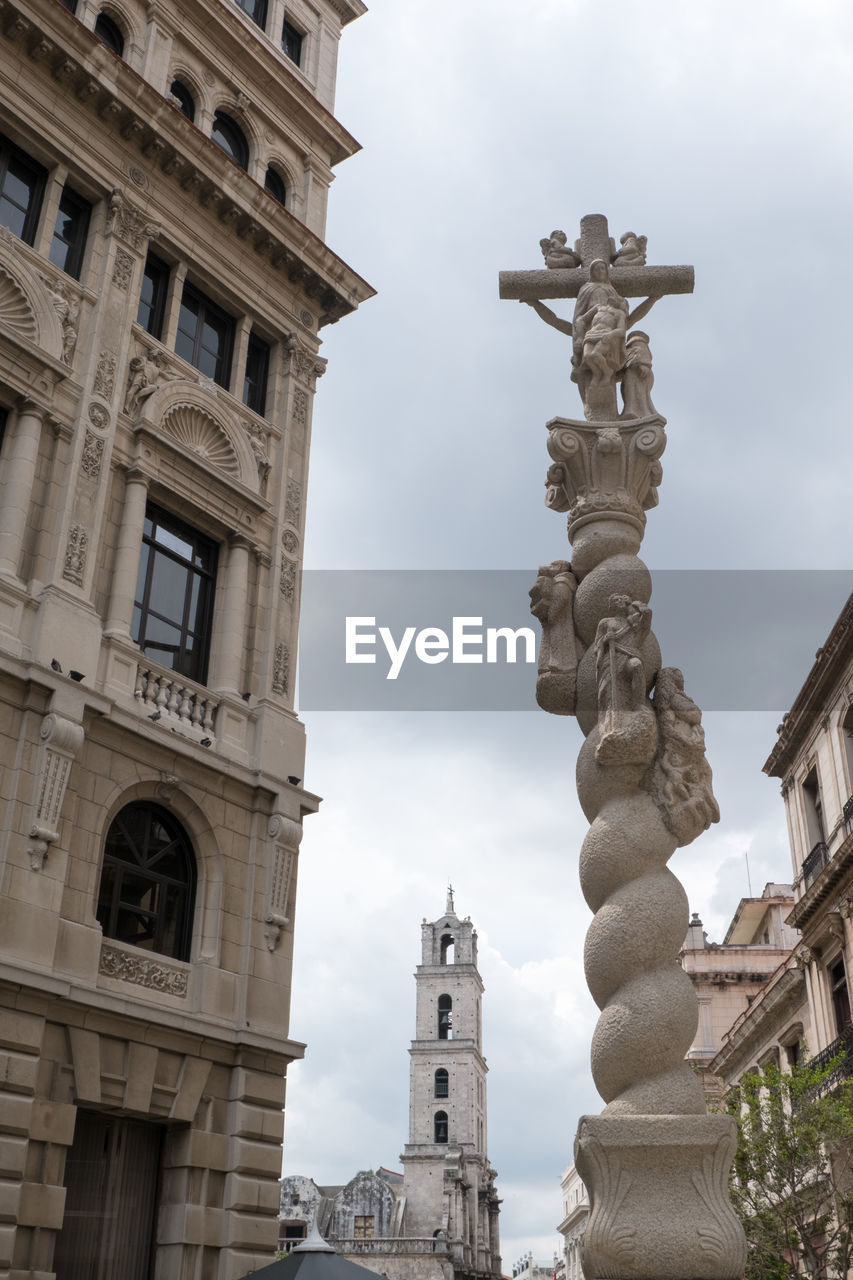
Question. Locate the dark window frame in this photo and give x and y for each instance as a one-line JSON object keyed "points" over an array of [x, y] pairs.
{"points": [[110, 34], [131, 855], [157, 273], [209, 312], [190, 655], [37, 183], [184, 95], [292, 42], [256, 376], [254, 8], [442, 1083], [76, 212], [275, 185], [440, 1127], [445, 1018], [231, 139]]}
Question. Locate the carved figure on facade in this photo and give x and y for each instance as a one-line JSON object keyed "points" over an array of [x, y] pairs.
{"points": [[128, 222], [633, 251], [67, 309], [637, 377], [680, 781], [258, 445], [551, 598], [626, 722], [556, 252], [293, 502], [146, 373]]}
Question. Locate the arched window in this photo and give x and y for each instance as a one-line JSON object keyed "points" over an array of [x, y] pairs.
{"points": [[147, 888], [275, 185], [185, 99], [445, 1018], [228, 135], [442, 1083], [447, 949], [440, 1122], [109, 33]]}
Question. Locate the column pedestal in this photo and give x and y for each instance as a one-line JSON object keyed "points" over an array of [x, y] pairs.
{"points": [[658, 1189]]}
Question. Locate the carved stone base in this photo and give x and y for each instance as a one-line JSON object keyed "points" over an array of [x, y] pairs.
{"points": [[658, 1189]]}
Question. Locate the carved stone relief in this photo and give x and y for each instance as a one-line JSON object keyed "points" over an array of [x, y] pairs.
{"points": [[146, 373], [15, 309], [626, 723], [67, 309], [300, 406], [145, 973], [281, 669], [259, 442], [290, 542], [680, 781], [61, 739], [201, 434], [287, 580], [99, 417], [284, 837], [105, 375], [122, 269], [293, 502], [76, 549], [92, 456], [551, 598], [128, 222]]}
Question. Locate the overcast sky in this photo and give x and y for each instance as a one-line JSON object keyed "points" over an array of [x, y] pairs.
{"points": [[723, 133]]}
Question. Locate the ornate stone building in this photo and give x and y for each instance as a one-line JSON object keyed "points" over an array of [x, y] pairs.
{"points": [[813, 757], [163, 280], [440, 1220]]}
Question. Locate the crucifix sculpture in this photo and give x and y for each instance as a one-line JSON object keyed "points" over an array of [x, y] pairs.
{"points": [[655, 1165]]}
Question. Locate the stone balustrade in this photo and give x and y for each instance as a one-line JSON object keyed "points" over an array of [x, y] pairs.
{"points": [[174, 700], [392, 1245]]}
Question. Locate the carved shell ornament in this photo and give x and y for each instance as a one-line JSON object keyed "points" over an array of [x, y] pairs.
{"points": [[197, 431], [15, 310]]}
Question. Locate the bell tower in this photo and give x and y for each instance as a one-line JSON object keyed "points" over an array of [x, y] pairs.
{"points": [[449, 1184]]}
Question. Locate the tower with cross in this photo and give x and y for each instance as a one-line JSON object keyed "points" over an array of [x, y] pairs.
{"points": [[654, 1163]]}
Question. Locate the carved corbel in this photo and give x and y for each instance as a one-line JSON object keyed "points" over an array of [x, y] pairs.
{"points": [[804, 956], [835, 924], [284, 836], [61, 739], [845, 907]]}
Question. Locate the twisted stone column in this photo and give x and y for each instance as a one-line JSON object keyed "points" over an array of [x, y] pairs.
{"points": [[654, 1164]]}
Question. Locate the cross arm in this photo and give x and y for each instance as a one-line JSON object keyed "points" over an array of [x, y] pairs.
{"points": [[630, 282]]}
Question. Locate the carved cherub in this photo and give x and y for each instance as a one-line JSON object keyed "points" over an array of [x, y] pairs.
{"points": [[680, 780], [556, 252], [633, 251]]}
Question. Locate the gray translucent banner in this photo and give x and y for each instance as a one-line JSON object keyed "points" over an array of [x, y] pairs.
{"points": [[464, 640]]}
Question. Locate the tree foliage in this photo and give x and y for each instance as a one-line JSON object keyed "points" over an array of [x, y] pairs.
{"points": [[792, 1182]]}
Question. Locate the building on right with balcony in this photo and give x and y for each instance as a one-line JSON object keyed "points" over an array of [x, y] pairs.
{"points": [[813, 757]]}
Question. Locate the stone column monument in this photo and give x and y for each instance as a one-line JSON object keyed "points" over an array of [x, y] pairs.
{"points": [[654, 1163]]}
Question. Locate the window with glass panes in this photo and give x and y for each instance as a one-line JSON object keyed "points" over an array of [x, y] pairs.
{"points": [[174, 594], [21, 191], [205, 335], [69, 233], [256, 9], [148, 881], [291, 42], [152, 296], [257, 371]]}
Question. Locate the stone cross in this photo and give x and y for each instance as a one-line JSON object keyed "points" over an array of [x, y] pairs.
{"points": [[595, 242]]}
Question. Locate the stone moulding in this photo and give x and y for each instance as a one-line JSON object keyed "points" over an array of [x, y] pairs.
{"points": [[143, 972]]}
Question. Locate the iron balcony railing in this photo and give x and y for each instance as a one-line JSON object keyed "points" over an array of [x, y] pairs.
{"points": [[847, 814], [842, 1048], [814, 863]]}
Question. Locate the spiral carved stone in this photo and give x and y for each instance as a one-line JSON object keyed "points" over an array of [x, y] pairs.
{"points": [[645, 786]]}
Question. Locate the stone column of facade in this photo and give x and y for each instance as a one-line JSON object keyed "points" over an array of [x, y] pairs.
{"points": [[654, 1164], [126, 566], [19, 474], [228, 644]]}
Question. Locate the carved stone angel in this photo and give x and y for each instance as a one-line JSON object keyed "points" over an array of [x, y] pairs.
{"points": [[633, 251]]}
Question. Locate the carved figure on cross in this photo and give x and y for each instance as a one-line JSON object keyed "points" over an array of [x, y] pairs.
{"points": [[601, 320]]}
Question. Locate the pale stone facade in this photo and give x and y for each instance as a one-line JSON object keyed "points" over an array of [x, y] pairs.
{"points": [[814, 759], [162, 283], [728, 976], [439, 1220], [573, 1224]]}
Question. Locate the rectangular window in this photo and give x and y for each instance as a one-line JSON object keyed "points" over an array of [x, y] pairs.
{"points": [[152, 296], [21, 191], [205, 335], [257, 369], [69, 234], [256, 9], [363, 1225], [840, 995], [291, 42], [174, 595]]}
